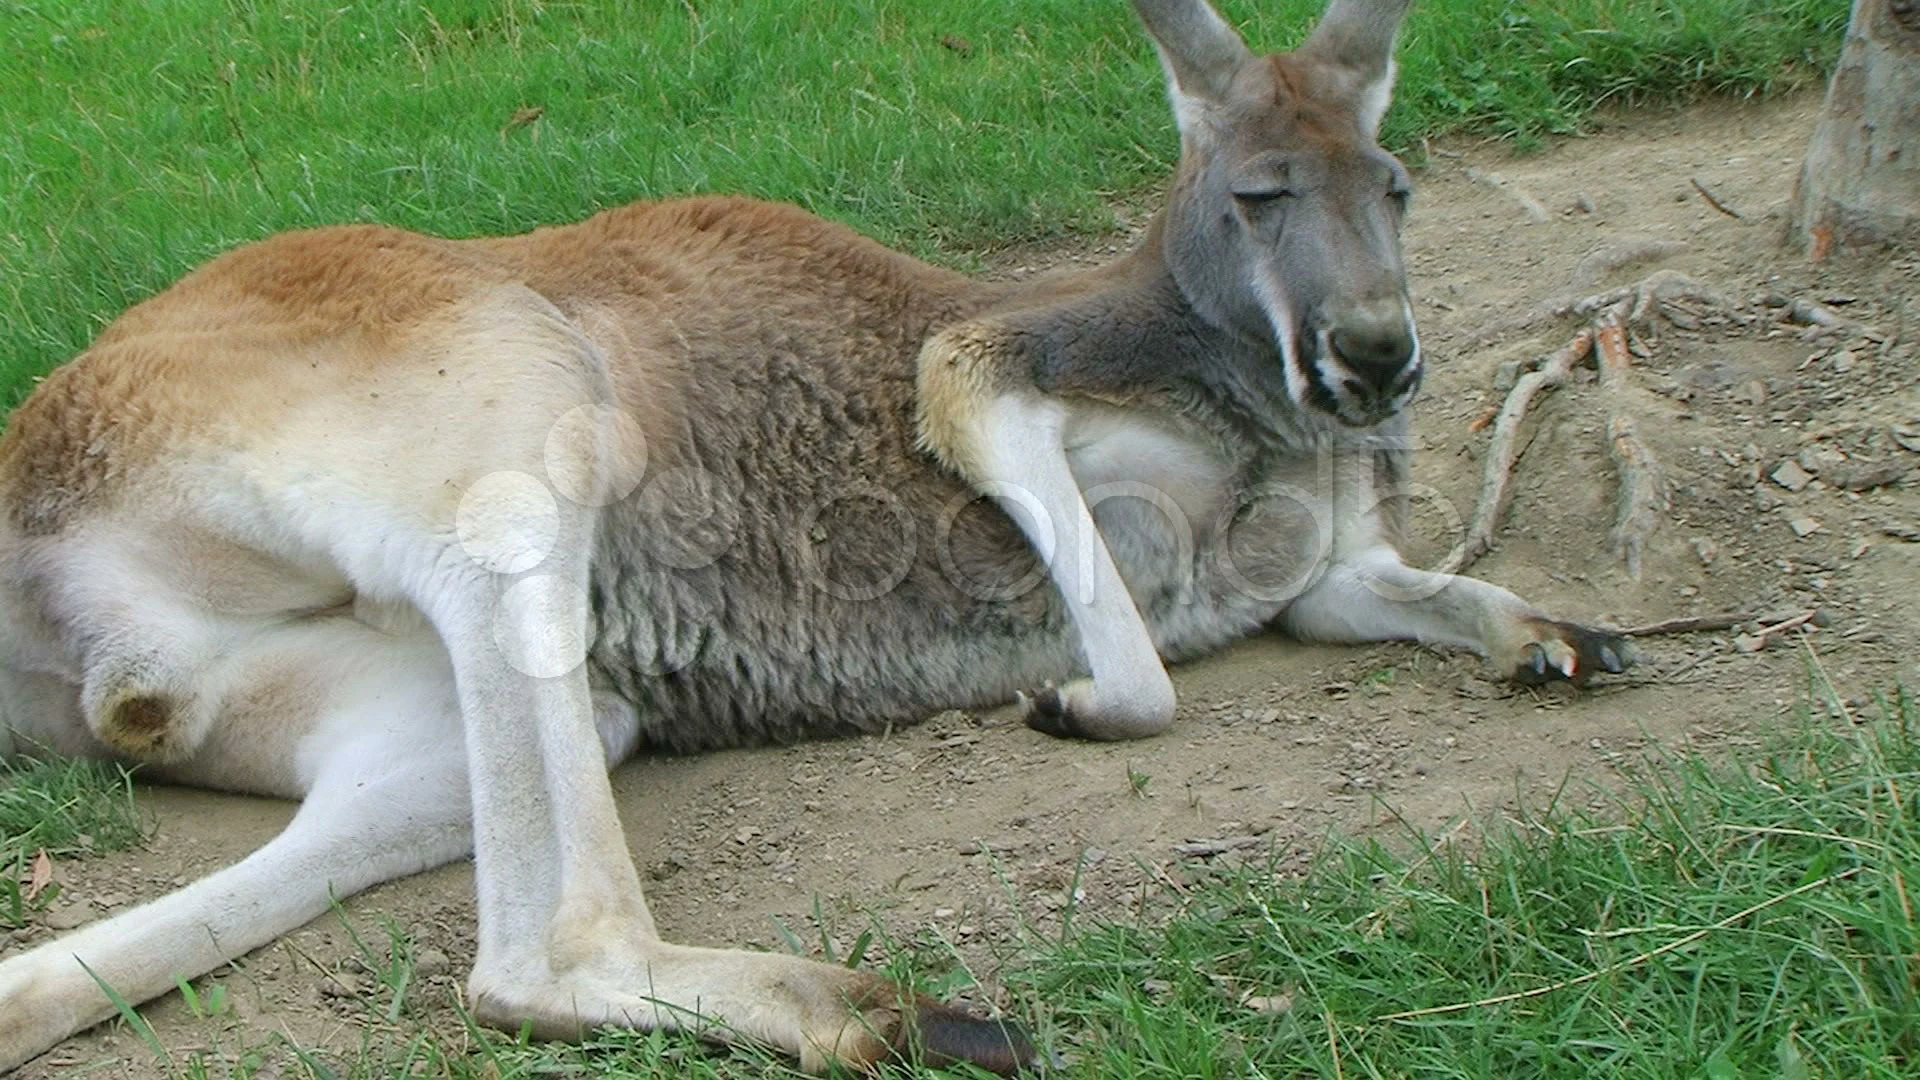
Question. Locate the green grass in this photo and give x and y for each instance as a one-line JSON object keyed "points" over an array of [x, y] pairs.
{"points": [[1721, 921], [64, 808], [137, 140]]}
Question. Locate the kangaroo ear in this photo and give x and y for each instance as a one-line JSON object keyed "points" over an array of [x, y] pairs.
{"points": [[1357, 37], [1199, 51]]}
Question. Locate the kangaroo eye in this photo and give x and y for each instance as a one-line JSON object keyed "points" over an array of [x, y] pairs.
{"points": [[1262, 196]]}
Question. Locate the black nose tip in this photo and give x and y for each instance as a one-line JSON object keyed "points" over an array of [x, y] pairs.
{"points": [[1380, 357]]}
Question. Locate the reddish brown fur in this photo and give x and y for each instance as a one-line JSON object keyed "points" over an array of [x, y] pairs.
{"points": [[274, 325]]}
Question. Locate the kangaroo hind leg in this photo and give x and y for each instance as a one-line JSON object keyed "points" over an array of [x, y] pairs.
{"points": [[365, 724]]}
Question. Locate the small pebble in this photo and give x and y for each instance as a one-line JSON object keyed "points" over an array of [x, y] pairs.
{"points": [[431, 962], [1789, 475], [68, 917]]}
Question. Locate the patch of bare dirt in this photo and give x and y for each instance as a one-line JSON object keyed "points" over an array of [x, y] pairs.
{"points": [[969, 824]]}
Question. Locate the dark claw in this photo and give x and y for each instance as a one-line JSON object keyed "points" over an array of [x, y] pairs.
{"points": [[1593, 650], [1533, 667], [942, 1035], [1048, 714]]}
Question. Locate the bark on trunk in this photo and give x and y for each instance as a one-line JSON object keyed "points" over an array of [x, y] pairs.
{"points": [[1860, 185]]}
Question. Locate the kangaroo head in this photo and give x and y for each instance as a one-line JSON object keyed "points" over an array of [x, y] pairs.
{"points": [[1283, 225]]}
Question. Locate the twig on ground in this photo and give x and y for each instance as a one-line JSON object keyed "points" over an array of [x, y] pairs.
{"points": [[1761, 638], [1160, 873], [1714, 200], [1505, 450], [1673, 674], [1206, 849], [1809, 313], [1689, 624], [1528, 204], [1748, 643]]}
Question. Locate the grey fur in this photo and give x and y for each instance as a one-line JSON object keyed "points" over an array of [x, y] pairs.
{"points": [[798, 395]]}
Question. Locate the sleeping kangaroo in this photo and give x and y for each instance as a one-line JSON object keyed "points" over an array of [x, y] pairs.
{"points": [[427, 534]]}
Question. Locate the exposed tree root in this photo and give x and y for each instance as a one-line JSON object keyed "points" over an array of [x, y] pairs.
{"points": [[1612, 316], [1593, 266], [1643, 491], [1505, 450], [1647, 297], [1619, 323]]}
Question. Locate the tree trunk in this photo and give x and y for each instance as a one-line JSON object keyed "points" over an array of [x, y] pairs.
{"points": [[1860, 185]]}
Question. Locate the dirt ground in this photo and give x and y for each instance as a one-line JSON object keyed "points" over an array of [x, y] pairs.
{"points": [[968, 825]]}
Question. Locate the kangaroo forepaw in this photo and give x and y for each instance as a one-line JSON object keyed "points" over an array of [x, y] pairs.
{"points": [[1569, 652], [1046, 710], [1079, 710]]}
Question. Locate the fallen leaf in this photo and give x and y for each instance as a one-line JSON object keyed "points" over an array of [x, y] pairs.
{"points": [[1268, 1003], [40, 876], [524, 116]]}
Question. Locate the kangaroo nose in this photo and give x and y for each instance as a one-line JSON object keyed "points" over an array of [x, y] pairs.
{"points": [[1378, 352]]}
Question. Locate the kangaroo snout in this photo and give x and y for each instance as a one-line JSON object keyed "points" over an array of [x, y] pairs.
{"points": [[1377, 349]]}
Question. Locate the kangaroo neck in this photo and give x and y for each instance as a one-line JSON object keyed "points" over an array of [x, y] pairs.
{"points": [[1125, 333]]}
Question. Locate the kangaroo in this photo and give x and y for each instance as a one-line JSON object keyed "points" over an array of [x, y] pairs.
{"points": [[428, 534]]}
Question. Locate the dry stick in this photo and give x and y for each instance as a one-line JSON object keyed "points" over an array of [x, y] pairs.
{"points": [[1714, 200], [1713, 622], [1766, 634], [1333, 1041], [1643, 495], [1809, 313], [1528, 204], [1614, 969], [1689, 624], [1505, 449]]}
